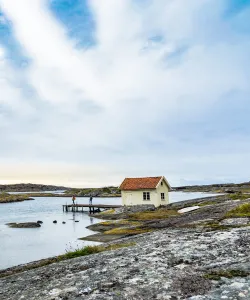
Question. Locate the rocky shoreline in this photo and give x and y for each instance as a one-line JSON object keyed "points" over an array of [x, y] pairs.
{"points": [[200, 254], [167, 264]]}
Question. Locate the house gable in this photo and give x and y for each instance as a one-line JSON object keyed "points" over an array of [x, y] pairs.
{"points": [[164, 181]]}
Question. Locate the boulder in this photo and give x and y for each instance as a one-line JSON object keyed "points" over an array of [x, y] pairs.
{"points": [[40, 222], [64, 222], [55, 221], [24, 225]]}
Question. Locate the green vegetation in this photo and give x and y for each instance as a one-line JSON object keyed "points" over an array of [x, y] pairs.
{"points": [[216, 275], [242, 210], [8, 198], [239, 196], [152, 215], [92, 250]]}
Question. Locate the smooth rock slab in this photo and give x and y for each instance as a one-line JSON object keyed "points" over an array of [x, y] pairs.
{"points": [[235, 221]]}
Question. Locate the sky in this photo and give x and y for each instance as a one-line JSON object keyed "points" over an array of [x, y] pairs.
{"points": [[95, 91]]}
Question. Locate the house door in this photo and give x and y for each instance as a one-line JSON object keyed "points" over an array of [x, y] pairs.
{"points": [[130, 200]]}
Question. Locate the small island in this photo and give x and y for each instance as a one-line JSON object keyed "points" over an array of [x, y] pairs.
{"points": [[8, 198]]}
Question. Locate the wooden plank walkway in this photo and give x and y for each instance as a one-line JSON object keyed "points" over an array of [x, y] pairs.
{"points": [[92, 207]]}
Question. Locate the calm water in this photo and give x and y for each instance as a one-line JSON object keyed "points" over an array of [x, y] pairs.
{"points": [[18, 246]]}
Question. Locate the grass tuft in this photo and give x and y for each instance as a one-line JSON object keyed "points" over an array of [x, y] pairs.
{"points": [[242, 210], [152, 215], [88, 250]]}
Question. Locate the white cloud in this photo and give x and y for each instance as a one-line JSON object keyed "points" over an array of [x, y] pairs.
{"points": [[108, 103]]}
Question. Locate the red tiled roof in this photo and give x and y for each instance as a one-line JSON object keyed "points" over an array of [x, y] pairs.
{"points": [[140, 183]]}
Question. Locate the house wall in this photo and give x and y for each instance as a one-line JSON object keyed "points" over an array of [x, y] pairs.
{"points": [[130, 198]]}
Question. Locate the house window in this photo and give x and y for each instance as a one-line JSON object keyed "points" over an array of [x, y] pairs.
{"points": [[162, 196], [146, 196], [161, 183]]}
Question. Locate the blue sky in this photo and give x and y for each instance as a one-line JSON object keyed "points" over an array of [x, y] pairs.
{"points": [[94, 91]]}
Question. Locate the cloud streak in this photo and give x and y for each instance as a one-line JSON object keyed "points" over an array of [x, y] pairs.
{"points": [[134, 98]]}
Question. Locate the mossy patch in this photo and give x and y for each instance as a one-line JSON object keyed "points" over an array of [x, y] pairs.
{"points": [[153, 215], [130, 231], [242, 210], [216, 275]]}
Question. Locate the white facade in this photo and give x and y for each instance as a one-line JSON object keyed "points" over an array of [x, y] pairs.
{"points": [[158, 196]]}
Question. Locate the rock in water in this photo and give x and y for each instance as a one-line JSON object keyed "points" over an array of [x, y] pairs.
{"points": [[64, 222], [55, 221], [39, 222], [24, 225]]}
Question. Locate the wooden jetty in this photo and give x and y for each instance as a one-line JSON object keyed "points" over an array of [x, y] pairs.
{"points": [[92, 207]]}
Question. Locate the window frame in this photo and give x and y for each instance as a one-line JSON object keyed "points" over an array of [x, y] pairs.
{"points": [[146, 196], [162, 196]]}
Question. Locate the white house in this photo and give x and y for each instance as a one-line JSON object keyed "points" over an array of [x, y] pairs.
{"points": [[146, 190]]}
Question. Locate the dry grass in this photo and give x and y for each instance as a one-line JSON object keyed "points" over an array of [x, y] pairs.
{"points": [[120, 223], [132, 231], [153, 215], [108, 212], [242, 210]]}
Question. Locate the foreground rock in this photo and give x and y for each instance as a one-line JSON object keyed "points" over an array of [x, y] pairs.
{"points": [[166, 264], [103, 238], [24, 225]]}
